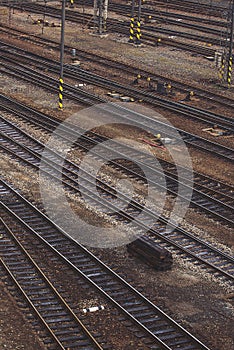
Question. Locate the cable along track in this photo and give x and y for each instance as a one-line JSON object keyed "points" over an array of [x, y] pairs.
{"points": [[178, 241], [215, 202], [140, 120], [65, 329], [152, 322], [104, 61]]}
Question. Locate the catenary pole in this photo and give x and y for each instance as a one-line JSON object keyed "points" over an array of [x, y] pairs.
{"points": [[62, 55], [105, 12], [95, 13], [230, 58], [100, 17], [138, 29], [131, 29]]}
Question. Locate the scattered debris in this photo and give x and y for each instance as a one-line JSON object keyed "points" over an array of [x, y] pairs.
{"points": [[93, 309], [114, 94], [152, 143], [80, 85], [215, 131], [126, 99], [75, 62]]}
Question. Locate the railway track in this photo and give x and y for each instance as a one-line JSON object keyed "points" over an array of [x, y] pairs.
{"points": [[148, 320], [104, 61], [207, 193], [171, 332], [23, 71], [123, 28], [179, 241], [64, 329], [203, 24], [29, 58], [191, 6], [164, 16]]}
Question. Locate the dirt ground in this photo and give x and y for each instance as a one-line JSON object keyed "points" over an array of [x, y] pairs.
{"points": [[201, 303], [16, 331]]}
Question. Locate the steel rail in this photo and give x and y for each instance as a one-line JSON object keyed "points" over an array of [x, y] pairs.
{"points": [[194, 112], [156, 231], [91, 279], [214, 10], [121, 28], [11, 247], [181, 336], [118, 152], [122, 9], [142, 121], [151, 31], [9, 273], [101, 60], [48, 124], [160, 15], [151, 124], [72, 15]]}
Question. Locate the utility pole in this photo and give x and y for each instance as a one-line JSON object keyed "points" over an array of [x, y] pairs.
{"points": [[9, 15], [230, 59], [100, 12], [100, 17], [138, 24], [62, 55], [138, 29], [131, 29], [105, 12], [95, 13], [44, 15]]}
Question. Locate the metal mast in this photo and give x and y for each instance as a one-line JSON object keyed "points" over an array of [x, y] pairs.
{"points": [[231, 37], [62, 55]]}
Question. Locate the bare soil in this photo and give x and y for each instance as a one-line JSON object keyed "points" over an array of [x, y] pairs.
{"points": [[16, 331]]}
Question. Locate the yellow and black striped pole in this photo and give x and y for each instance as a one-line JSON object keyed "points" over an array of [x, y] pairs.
{"points": [[229, 72], [60, 94], [222, 69], [131, 30], [60, 104], [138, 27], [71, 3], [230, 54], [138, 33]]}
